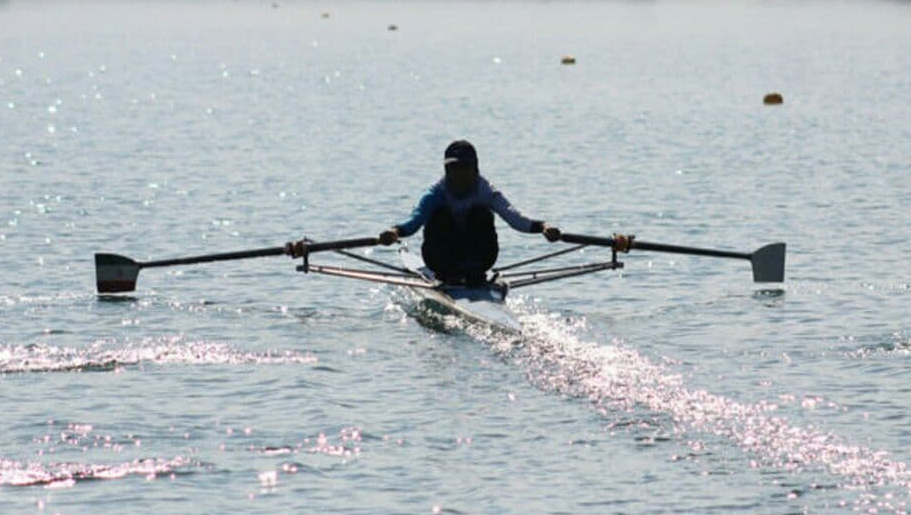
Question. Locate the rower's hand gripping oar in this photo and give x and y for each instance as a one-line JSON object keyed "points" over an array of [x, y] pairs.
{"points": [[115, 273], [767, 261]]}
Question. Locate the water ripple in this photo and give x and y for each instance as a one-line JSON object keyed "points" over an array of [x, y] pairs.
{"points": [[67, 474], [898, 342], [110, 356], [618, 379]]}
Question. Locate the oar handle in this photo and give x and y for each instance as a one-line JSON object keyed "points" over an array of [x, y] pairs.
{"points": [[224, 256], [583, 239]]}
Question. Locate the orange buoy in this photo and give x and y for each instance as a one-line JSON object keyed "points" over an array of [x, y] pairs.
{"points": [[773, 99], [568, 59]]}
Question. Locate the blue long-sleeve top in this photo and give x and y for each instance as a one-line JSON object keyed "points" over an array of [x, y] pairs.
{"points": [[484, 195]]}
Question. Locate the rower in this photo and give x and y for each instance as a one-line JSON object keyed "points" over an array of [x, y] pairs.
{"points": [[460, 241]]}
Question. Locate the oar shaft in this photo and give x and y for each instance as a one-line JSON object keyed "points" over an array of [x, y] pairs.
{"points": [[658, 247], [695, 251], [269, 251], [224, 256], [342, 244]]}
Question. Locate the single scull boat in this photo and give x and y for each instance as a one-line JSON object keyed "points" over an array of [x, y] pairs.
{"points": [[485, 303]]}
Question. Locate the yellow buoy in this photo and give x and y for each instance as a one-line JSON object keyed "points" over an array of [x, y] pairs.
{"points": [[568, 59], [773, 99]]}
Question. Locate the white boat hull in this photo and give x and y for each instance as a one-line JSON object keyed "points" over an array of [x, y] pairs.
{"points": [[485, 304]]}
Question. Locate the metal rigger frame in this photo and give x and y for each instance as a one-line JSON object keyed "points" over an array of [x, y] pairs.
{"points": [[529, 277], [404, 277]]}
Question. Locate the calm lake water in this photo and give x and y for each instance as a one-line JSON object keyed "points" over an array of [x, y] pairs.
{"points": [[160, 129]]}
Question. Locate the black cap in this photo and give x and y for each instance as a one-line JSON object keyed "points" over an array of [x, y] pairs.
{"points": [[461, 152]]}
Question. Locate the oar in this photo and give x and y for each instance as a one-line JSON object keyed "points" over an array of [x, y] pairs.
{"points": [[767, 261], [115, 273]]}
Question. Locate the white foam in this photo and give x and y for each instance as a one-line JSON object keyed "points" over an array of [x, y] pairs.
{"points": [[112, 355]]}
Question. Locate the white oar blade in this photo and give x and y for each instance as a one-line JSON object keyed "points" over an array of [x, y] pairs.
{"points": [[768, 263], [115, 274]]}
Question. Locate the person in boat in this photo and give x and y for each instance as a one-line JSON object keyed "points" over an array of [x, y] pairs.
{"points": [[460, 241]]}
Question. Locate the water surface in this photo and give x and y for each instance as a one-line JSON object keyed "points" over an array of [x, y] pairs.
{"points": [[161, 129]]}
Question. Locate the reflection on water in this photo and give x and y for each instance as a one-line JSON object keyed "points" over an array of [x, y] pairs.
{"points": [[769, 293], [117, 298]]}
